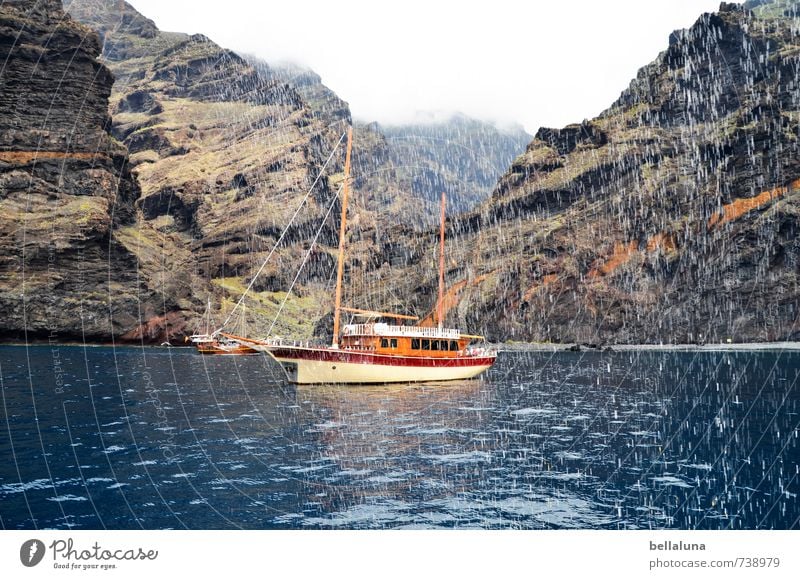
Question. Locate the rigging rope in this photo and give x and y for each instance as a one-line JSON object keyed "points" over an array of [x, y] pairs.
{"points": [[305, 259], [277, 243]]}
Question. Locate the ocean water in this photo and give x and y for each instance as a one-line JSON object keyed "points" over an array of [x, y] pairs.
{"points": [[128, 438]]}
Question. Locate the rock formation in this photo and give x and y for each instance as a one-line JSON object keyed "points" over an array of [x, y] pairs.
{"points": [[671, 217], [224, 153], [405, 168], [225, 147], [400, 170], [65, 185]]}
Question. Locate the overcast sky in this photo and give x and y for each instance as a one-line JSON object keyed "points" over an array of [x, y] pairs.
{"points": [[537, 63]]}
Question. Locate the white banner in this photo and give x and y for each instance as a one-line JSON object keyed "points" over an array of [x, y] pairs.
{"points": [[371, 554]]}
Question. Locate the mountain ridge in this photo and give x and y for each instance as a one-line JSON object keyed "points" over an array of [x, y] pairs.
{"points": [[670, 217], [139, 120]]}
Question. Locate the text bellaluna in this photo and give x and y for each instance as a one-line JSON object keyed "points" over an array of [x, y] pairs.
{"points": [[679, 546]]}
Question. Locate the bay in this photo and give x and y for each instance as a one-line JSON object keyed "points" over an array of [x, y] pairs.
{"points": [[161, 438]]}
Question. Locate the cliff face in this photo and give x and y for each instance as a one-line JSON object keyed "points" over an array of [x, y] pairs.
{"points": [[323, 102], [399, 171], [671, 217], [224, 152], [65, 187]]}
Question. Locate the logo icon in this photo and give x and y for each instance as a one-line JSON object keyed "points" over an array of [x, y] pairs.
{"points": [[31, 553]]}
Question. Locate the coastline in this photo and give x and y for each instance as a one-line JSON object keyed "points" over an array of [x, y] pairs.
{"points": [[721, 347]]}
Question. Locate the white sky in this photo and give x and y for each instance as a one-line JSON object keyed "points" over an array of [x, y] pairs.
{"points": [[537, 63]]}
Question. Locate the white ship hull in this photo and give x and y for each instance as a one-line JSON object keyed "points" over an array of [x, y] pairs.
{"points": [[331, 366]]}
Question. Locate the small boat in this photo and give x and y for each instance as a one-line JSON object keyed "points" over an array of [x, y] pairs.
{"points": [[217, 343], [378, 352], [223, 345]]}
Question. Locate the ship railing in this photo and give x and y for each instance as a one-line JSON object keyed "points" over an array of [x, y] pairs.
{"points": [[278, 342], [412, 331]]}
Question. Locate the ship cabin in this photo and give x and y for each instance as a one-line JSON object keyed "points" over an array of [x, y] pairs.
{"points": [[380, 338]]}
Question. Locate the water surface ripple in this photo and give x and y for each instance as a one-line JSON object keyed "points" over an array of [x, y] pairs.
{"points": [[127, 438]]}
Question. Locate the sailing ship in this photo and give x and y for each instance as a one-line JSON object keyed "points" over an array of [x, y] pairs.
{"points": [[376, 352]]}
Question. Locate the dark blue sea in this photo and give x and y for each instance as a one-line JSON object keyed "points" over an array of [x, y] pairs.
{"points": [[129, 438]]}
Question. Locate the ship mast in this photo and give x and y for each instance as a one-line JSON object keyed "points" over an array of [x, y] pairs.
{"points": [[440, 303], [340, 268]]}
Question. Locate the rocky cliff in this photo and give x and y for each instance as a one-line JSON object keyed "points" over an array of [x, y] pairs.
{"points": [[65, 184], [223, 152], [462, 156], [405, 168], [671, 217]]}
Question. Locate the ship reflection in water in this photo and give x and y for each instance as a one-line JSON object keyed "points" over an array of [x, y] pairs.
{"points": [[132, 438]]}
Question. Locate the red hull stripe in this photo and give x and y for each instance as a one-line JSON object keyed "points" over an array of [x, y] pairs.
{"points": [[349, 357]]}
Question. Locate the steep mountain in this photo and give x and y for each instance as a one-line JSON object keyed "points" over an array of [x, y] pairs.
{"points": [[324, 103], [223, 154], [671, 217], [224, 149], [65, 185], [414, 163]]}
